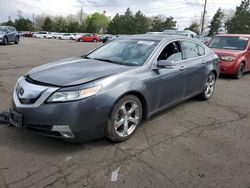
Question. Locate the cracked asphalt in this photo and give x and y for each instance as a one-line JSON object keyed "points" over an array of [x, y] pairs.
{"points": [[194, 144]]}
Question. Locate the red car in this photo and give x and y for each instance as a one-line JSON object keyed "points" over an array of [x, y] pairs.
{"points": [[89, 38], [234, 53]]}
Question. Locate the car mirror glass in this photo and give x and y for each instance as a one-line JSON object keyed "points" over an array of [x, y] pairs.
{"points": [[165, 64]]}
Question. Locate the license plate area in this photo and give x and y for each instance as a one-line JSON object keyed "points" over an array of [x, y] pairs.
{"points": [[16, 118]]}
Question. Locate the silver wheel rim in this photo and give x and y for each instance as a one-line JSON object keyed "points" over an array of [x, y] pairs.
{"points": [[209, 89], [127, 118]]}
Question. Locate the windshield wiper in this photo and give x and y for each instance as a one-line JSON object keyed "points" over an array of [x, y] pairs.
{"points": [[106, 60]]}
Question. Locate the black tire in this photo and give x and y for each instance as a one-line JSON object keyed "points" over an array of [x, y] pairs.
{"points": [[117, 134], [81, 40], [209, 87], [94, 40], [70, 38], [5, 41], [240, 71], [17, 40]]}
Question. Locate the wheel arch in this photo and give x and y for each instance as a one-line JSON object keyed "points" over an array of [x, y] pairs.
{"points": [[142, 99]]}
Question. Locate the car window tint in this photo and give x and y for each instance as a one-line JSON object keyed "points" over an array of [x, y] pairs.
{"points": [[190, 49], [171, 52], [201, 50]]}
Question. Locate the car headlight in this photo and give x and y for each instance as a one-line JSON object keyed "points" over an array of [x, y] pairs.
{"points": [[63, 96], [227, 58]]}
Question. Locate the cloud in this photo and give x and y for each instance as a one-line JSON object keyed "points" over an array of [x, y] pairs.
{"points": [[182, 10]]}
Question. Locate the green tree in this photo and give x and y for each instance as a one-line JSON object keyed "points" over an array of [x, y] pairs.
{"points": [[116, 25], [96, 23], [194, 26], [9, 23], [141, 23], [240, 22], [23, 24], [48, 24], [59, 24], [216, 23], [159, 23]]}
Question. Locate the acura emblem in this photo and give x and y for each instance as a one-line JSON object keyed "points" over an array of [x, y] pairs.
{"points": [[21, 91]]}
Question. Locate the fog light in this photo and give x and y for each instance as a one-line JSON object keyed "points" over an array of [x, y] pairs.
{"points": [[64, 130]]}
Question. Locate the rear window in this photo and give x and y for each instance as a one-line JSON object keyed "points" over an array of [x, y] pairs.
{"points": [[229, 42]]}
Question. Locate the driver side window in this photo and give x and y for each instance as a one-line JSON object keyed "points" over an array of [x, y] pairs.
{"points": [[171, 52]]}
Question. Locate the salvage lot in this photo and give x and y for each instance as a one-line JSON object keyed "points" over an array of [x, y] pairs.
{"points": [[195, 144]]}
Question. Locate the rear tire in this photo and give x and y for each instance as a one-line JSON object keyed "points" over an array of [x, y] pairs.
{"points": [[124, 119], [95, 40], [5, 41], [208, 88], [240, 71], [17, 40], [81, 40]]}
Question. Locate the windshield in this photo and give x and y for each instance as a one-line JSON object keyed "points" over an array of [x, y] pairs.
{"points": [[125, 51], [230, 43]]}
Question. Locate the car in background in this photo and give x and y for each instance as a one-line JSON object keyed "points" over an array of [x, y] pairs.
{"points": [[8, 34], [66, 36], [49, 36], [27, 34], [89, 38], [107, 38], [109, 91], [40, 34], [234, 53]]}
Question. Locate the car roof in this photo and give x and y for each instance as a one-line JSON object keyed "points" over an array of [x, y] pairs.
{"points": [[156, 37], [234, 35]]}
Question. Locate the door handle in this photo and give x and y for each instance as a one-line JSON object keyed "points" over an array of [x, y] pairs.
{"points": [[183, 68]]}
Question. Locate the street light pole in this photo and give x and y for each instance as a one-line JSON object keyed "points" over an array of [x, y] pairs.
{"points": [[203, 17]]}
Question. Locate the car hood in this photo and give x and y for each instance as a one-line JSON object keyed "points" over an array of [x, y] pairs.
{"points": [[74, 71], [2, 33], [223, 52]]}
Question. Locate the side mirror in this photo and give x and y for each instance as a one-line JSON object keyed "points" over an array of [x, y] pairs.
{"points": [[165, 64]]}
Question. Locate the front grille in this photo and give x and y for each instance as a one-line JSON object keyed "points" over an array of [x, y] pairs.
{"points": [[43, 129]]}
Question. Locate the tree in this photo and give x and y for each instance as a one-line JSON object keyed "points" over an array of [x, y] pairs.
{"points": [[160, 23], [116, 25], [9, 23], [59, 24], [23, 24], [96, 22], [141, 23], [194, 26], [48, 24], [240, 22], [216, 23]]}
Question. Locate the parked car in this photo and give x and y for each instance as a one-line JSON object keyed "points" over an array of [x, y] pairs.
{"points": [[234, 53], [66, 36], [27, 34], [89, 38], [8, 34], [110, 90], [40, 34], [107, 38], [185, 33]]}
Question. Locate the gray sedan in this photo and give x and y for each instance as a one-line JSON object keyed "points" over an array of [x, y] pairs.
{"points": [[109, 91]]}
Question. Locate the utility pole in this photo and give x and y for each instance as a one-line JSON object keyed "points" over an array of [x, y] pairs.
{"points": [[81, 16], [203, 17]]}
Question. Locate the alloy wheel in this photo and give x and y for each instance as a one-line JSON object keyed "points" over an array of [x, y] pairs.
{"points": [[127, 118], [210, 84]]}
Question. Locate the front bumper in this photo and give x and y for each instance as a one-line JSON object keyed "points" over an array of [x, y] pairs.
{"points": [[228, 67], [85, 119]]}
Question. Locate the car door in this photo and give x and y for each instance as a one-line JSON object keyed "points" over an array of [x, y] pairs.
{"points": [[170, 82], [248, 56], [9, 34], [195, 67]]}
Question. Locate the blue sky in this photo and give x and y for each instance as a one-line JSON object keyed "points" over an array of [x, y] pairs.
{"points": [[184, 11]]}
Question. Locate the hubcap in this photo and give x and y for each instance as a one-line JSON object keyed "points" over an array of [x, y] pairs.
{"points": [[127, 118], [209, 89]]}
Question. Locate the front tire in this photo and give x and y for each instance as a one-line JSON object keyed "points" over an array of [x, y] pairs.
{"points": [[17, 40], [5, 41], [81, 40], [240, 71], [209, 87], [124, 119]]}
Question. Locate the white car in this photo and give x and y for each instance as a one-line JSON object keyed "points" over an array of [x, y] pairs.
{"points": [[40, 34], [66, 36]]}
